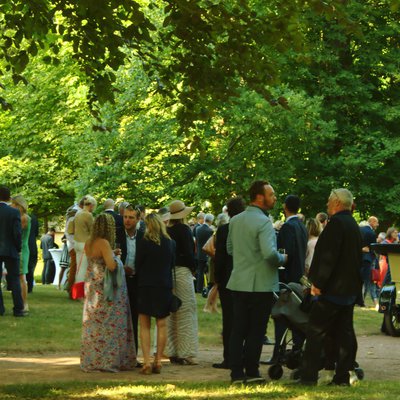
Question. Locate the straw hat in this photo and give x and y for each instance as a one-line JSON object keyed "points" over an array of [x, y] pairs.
{"points": [[178, 210], [21, 202]]}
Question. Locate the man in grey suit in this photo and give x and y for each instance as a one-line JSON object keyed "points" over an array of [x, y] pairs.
{"points": [[10, 247], [252, 243]]}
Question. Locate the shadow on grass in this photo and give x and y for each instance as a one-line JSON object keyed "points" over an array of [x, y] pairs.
{"points": [[187, 390]]}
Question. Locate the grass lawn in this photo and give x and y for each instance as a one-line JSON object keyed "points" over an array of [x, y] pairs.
{"points": [[54, 325]]}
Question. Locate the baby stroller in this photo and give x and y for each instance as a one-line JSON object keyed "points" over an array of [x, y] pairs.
{"points": [[291, 307]]}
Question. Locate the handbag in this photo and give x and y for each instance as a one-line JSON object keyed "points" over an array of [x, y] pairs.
{"points": [[209, 246], [78, 290], [375, 275], [176, 302]]}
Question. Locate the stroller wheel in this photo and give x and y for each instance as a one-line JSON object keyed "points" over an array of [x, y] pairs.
{"points": [[275, 372], [204, 292], [359, 373]]}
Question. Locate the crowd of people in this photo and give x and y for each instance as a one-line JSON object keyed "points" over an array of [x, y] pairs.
{"points": [[135, 265]]}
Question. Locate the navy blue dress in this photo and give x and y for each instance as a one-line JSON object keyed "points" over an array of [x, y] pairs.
{"points": [[154, 265]]}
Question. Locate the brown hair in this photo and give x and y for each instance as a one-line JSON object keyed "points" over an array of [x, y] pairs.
{"points": [[104, 228]]}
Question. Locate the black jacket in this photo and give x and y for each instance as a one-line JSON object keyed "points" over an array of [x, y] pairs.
{"points": [[121, 239], [154, 263], [10, 231], [335, 268], [203, 233], [223, 261], [184, 253], [293, 238]]}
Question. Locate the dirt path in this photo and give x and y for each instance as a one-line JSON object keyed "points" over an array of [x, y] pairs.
{"points": [[378, 355]]}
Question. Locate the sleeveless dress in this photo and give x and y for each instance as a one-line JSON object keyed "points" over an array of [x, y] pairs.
{"points": [[107, 334], [24, 260]]}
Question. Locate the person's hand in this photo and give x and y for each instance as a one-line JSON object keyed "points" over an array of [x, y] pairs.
{"points": [[128, 270], [315, 291]]}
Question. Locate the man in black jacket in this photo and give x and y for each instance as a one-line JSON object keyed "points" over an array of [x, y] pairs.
{"points": [[127, 239], [292, 239], [10, 249], [336, 282]]}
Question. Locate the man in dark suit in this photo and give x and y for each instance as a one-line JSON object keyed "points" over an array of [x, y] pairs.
{"points": [[336, 282], [33, 252], [10, 249], [292, 239], [127, 239], [368, 236], [223, 268], [203, 233]]}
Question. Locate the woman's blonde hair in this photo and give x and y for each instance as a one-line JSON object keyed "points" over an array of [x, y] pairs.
{"points": [[21, 203], [155, 228], [314, 227], [104, 228]]}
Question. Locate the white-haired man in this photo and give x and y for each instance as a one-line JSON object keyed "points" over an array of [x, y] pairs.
{"points": [[336, 283]]}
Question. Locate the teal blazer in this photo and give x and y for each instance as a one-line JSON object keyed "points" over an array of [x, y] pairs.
{"points": [[252, 243]]}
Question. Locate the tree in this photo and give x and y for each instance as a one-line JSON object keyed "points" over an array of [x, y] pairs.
{"points": [[355, 72], [40, 139]]}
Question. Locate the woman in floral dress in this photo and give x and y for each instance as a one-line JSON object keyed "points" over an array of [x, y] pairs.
{"points": [[107, 334]]}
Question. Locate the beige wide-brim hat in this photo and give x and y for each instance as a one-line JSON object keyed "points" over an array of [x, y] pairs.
{"points": [[178, 210]]}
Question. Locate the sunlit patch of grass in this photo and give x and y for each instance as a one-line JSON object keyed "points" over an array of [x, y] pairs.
{"points": [[198, 391]]}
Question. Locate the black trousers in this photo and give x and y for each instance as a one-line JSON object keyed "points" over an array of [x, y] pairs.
{"points": [[335, 321], [131, 283], [225, 296], [251, 311]]}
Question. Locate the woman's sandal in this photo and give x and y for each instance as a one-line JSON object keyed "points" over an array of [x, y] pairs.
{"points": [[146, 370], [156, 368]]}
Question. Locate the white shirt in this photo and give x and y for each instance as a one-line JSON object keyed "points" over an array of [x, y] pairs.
{"points": [[130, 250]]}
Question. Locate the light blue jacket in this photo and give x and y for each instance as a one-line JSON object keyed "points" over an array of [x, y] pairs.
{"points": [[252, 243]]}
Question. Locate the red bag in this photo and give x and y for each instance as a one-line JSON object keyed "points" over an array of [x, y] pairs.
{"points": [[78, 290], [375, 275]]}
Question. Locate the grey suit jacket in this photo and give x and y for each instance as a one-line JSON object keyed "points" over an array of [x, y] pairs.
{"points": [[252, 243]]}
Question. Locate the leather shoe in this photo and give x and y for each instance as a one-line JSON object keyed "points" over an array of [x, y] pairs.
{"points": [[333, 383], [138, 364], [222, 365], [21, 314]]}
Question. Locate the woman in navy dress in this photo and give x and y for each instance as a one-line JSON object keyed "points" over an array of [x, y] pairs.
{"points": [[155, 258]]}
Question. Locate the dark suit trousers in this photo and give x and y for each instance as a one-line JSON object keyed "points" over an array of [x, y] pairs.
{"points": [[225, 296], [131, 283], [12, 266], [30, 276], [334, 320], [251, 311], [201, 270]]}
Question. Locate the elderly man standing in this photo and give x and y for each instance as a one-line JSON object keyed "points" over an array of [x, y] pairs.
{"points": [[252, 243], [336, 282]]}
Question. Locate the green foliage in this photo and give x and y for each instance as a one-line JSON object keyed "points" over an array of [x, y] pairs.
{"points": [[39, 139]]}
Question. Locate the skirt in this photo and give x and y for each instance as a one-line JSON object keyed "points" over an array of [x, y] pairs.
{"points": [[154, 301]]}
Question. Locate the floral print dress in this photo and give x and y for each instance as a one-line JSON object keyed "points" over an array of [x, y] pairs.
{"points": [[107, 334]]}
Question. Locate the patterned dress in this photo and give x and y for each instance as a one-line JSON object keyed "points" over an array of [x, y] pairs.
{"points": [[107, 334]]}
